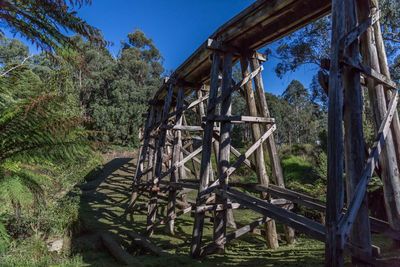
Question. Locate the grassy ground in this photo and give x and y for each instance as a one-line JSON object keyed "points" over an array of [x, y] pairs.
{"points": [[102, 209]]}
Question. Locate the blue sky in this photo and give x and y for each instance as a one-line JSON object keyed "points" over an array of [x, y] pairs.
{"points": [[177, 27]]}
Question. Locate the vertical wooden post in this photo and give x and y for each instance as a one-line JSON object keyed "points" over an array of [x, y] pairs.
{"points": [[335, 191], [388, 161], [277, 172], [220, 217], [176, 155], [270, 227], [195, 248], [143, 154], [264, 111], [354, 143], [153, 143], [202, 113], [384, 66], [152, 206]]}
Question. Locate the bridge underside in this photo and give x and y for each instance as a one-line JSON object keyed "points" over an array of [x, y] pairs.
{"points": [[187, 135], [260, 24]]}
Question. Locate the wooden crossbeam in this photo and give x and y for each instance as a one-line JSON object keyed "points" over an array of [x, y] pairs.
{"points": [[370, 72], [174, 216], [377, 225], [239, 161], [240, 232], [347, 220], [239, 119], [250, 151], [216, 207], [189, 128], [236, 87], [298, 222], [188, 153], [190, 156], [296, 197], [210, 248], [184, 108], [237, 154], [354, 34], [180, 163], [247, 162], [245, 229]]}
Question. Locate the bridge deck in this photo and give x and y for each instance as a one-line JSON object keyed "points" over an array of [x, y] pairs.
{"points": [[263, 22]]}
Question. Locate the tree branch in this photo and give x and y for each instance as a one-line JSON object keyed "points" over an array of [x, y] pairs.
{"points": [[15, 67]]}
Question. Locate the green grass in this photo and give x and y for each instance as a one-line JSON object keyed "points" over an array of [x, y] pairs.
{"points": [[100, 207], [297, 168], [103, 210]]}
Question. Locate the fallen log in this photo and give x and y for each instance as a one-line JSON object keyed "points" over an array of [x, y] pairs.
{"points": [[146, 243], [118, 252]]}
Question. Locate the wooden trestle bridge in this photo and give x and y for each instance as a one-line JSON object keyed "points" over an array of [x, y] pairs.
{"points": [[202, 87]]}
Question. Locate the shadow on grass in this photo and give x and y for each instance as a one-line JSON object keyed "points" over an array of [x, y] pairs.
{"points": [[104, 200]]}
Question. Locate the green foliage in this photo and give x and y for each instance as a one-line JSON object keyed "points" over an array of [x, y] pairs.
{"points": [[20, 187], [296, 168], [42, 21], [44, 152], [299, 120], [305, 169], [117, 106], [321, 165], [33, 252], [4, 236], [306, 46]]}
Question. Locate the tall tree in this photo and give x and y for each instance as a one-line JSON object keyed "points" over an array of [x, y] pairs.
{"points": [[137, 75], [302, 123]]}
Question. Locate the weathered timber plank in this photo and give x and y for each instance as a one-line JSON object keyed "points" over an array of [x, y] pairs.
{"points": [[377, 93], [347, 220], [354, 139], [210, 248], [357, 31], [240, 119], [335, 190], [176, 155], [370, 72], [238, 162], [195, 248], [298, 222], [152, 208], [261, 23], [384, 69], [220, 217]]}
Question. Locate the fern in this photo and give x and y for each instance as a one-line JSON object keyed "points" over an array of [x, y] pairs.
{"points": [[37, 131], [4, 237]]}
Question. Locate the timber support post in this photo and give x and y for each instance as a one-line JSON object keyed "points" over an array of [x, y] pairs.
{"points": [[263, 110], [176, 157], [205, 166], [152, 207], [220, 217], [270, 227], [204, 85]]}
